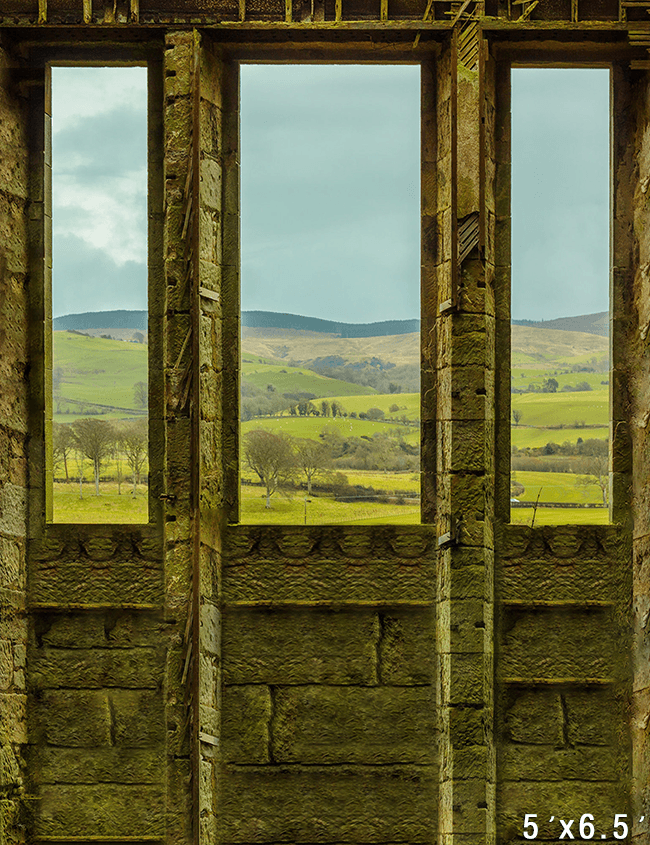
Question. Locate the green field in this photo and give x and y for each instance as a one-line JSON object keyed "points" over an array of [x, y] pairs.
{"points": [[97, 370], [408, 404], [311, 427], [560, 516], [533, 438], [556, 487], [522, 377], [320, 510], [552, 409], [107, 507], [296, 380]]}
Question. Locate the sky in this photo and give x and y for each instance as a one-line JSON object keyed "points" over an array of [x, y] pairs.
{"points": [[560, 192], [99, 189], [330, 189]]}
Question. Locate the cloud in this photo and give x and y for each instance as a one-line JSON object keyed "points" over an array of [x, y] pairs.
{"points": [[85, 278], [330, 175], [99, 160]]}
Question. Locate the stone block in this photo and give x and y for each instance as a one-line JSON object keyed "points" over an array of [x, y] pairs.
{"points": [[96, 668], [558, 644], [70, 630], [138, 718], [245, 724], [100, 810], [129, 629], [382, 804], [545, 763], [210, 190], [591, 716], [97, 765], [11, 563], [13, 718], [534, 717], [75, 718], [6, 664], [407, 646], [466, 727], [466, 679], [299, 646], [328, 725]]}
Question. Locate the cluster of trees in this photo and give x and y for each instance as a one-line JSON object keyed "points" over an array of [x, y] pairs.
{"points": [[385, 378], [98, 441], [278, 459], [551, 385]]}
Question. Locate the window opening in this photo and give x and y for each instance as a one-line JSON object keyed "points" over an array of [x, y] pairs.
{"points": [[99, 396], [560, 406], [330, 245]]}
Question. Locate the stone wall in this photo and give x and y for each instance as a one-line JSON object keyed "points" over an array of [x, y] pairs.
{"points": [[14, 192], [196, 679]]}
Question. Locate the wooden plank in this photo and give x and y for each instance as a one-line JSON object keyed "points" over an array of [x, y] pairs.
{"points": [[242, 10], [383, 10], [209, 294], [135, 11], [88, 11], [288, 10], [42, 11], [338, 10]]}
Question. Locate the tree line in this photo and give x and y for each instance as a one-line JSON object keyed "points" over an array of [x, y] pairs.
{"points": [[125, 443]]}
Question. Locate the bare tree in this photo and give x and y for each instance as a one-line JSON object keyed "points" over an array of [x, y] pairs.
{"points": [[595, 470], [134, 444], [517, 415], [63, 443], [270, 457], [94, 439], [141, 394], [117, 453], [312, 458]]}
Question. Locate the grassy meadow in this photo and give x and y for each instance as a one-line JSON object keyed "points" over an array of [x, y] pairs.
{"points": [[368, 468]]}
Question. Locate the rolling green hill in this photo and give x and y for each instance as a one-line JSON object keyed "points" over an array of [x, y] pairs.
{"points": [[287, 379], [408, 404], [95, 370], [311, 427], [554, 409]]}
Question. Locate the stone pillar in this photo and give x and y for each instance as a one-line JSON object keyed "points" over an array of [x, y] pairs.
{"points": [[466, 472], [14, 210]]}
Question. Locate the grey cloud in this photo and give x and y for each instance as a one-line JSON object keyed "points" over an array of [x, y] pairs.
{"points": [[87, 279]]}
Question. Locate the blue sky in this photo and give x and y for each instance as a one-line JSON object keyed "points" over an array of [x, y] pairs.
{"points": [[330, 190]]}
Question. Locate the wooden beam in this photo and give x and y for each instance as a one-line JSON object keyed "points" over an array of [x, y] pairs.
{"points": [[460, 12], [338, 10], [42, 11], [288, 10], [383, 10], [426, 14], [242, 10], [88, 11], [135, 11]]}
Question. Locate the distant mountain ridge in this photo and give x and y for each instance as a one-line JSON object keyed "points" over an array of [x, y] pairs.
{"points": [[275, 320], [587, 323], [101, 320]]}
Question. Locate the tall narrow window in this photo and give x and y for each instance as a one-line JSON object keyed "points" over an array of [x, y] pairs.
{"points": [[560, 296], [330, 401], [99, 295]]}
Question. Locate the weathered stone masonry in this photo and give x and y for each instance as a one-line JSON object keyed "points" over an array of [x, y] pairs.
{"points": [[195, 680]]}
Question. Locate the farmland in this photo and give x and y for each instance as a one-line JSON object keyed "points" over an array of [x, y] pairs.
{"points": [[332, 392]]}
